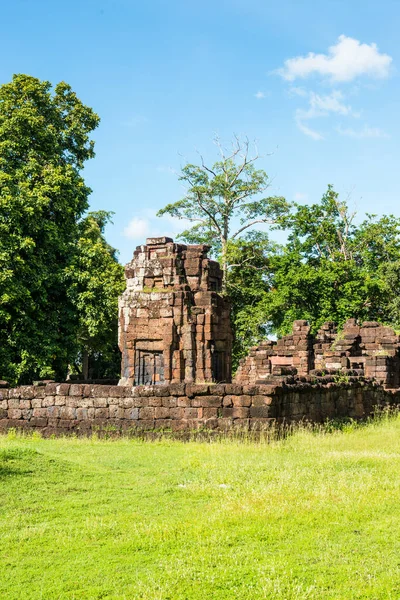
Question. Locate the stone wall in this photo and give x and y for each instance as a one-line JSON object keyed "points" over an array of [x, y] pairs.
{"points": [[66, 408], [370, 350], [174, 326]]}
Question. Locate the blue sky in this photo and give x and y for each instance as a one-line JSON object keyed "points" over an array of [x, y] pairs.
{"points": [[315, 83]]}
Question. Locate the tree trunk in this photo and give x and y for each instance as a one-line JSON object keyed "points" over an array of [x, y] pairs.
{"points": [[85, 363], [224, 267]]}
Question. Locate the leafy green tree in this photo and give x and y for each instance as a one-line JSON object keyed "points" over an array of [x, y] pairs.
{"points": [[95, 280], [250, 285], [332, 269], [224, 201], [44, 143], [225, 204]]}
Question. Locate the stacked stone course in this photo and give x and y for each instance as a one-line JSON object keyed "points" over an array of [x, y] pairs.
{"points": [[65, 408], [370, 350]]}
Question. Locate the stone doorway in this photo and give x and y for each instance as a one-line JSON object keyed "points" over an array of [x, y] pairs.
{"points": [[149, 367], [218, 366]]}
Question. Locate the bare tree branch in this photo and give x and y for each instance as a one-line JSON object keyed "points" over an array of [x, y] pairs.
{"points": [[270, 221], [203, 208]]}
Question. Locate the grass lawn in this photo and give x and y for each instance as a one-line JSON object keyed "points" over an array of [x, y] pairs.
{"points": [[316, 516]]}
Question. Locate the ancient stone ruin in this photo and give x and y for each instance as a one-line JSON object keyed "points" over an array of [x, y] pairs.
{"points": [[176, 344], [369, 351], [174, 326]]}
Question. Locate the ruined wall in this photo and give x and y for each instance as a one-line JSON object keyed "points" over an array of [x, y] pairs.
{"points": [[370, 350], [65, 408], [290, 353], [174, 326]]}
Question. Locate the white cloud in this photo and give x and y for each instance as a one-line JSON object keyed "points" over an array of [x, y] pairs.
{"points": [[259, 95], [315, 135], [298, 91], [149, 225], [321, 106], [366, 132], [330, 103], [345, 61], [137, 229]]}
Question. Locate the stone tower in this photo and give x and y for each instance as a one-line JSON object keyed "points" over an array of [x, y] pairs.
{"points": [[174, 326]]}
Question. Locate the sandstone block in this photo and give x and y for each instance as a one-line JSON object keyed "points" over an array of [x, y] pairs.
{"points": [[62, 389], [161, 412], [240, 412], [193, 390], [67, 413], [99, 402], [38, 422], [191, 413], [40, 412], [156, 401], [259, 411], [147, 413], [82, 414], [14, 413], [76, 389], [101, 413], [133, 414], [14, 403], [241, 400], [58, 400], [184, 402]]}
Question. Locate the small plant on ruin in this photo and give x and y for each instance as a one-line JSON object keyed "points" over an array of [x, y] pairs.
{"points": [[341, 378]]}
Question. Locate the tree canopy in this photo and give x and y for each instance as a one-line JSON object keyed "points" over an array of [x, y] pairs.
{"points": [[95, 279], [332, 268], [225, 200], [44, 143]]}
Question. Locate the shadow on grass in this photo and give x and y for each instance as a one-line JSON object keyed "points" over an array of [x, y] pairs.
{"points": [[16, 461]]}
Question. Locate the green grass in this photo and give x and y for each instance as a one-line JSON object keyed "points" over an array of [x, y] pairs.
{"points": [[315, 516]]}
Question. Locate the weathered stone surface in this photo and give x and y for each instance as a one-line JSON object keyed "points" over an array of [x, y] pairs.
{"points": [[371, 351], [284, 402], [174, 326]]}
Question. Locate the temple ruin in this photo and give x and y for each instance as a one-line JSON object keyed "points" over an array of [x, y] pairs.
{"points": [[174, 326], [176, 343]]}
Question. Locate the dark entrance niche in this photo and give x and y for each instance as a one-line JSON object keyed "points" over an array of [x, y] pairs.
{"points": [[218, 365], [213, 284], [149, 367]]}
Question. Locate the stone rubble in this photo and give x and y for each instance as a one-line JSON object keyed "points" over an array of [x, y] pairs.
{"points": [[370, 350]]}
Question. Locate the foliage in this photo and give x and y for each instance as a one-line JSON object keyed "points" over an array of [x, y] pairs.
{"points": [[95, 280], [332, 269], [222, 201], [44, 143], [299, 519], [249, 285], [224, 204]]}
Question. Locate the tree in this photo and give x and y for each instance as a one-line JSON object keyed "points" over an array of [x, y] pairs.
{"points": [[44, 143], [222, 201], [249, 288], [95, 280], [332, 269]]}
